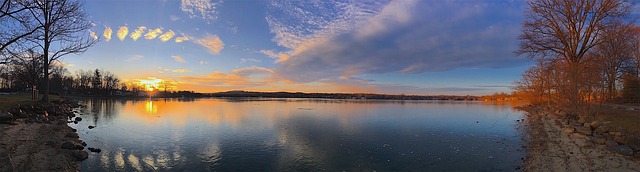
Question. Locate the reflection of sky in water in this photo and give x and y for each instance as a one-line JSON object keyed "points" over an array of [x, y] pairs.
{"points": [[299, 134]]}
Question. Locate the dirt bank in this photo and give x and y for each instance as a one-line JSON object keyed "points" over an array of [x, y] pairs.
{"points": [[39, 141], [553, 146]]}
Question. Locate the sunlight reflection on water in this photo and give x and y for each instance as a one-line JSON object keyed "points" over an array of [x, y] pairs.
{"points": [[299, 134]]}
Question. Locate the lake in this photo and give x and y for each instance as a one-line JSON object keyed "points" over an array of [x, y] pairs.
{"points": [[299, 135]]}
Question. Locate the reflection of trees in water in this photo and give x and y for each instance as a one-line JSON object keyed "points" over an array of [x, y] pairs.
{"points": [[103, 108]]}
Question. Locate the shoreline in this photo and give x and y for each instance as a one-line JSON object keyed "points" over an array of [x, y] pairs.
{"points": [[39, 139], [555, 146]]}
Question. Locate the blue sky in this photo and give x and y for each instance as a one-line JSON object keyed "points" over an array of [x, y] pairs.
{"points": [[423, 47]]}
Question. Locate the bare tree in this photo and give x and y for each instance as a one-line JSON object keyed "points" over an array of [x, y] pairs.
{"points": [[565, 32], [14, 18], [62, 22]]}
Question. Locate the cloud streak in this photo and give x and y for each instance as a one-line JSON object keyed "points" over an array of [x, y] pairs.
{"points": [[213, 43], [399, 38], [167, 36], [178, 59], [138, 33], [152, 34]]}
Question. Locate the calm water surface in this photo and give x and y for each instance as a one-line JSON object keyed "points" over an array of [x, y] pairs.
{"points": [[299, 135]]}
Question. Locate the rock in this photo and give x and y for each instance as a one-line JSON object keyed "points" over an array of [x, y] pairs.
{"points": [[622, 150], [6, 117], [71, 145], [585, 130], [91, 127], [600, 140], [78, 119], [603, 129], [569, 130], [96, 150], [83, 143], [584, 143], [72, 135], [611, 143], [80, 155], [595, 124], [578, 136], [586, 125], [619, 139]]}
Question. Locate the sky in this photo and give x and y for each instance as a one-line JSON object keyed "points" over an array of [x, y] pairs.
{"points": [[417, 47]]}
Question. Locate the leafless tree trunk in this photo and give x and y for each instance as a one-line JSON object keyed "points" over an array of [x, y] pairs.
{"points": [[63, 22]]}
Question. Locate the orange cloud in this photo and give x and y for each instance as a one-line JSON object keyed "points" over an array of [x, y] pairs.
{"points": [[213, 43], [107, 33], [167, 36], [93, 35], [182, 38], [178, 59], [179, 70], [122, 32], [58, 63], [138, 33], [152, 34], [280, 56]]}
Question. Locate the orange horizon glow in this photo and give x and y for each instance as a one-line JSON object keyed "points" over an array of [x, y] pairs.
{"points": [[150, 84]]}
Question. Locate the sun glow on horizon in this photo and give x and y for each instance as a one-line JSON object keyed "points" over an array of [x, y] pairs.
{"points": [[150, 84]]}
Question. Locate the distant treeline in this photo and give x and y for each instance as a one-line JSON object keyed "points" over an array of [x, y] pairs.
{"points": [[335, 96]]}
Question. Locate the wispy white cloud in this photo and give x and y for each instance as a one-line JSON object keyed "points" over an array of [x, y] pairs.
{"points": [[213, 43], [107, 34], [202, 62], [249, 60], [174, 18], [138, 33], [178, 59], [135, 58], [252, 70], [204, 9], [122, 32]]}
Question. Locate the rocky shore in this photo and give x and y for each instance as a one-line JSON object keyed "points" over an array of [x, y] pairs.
{"points": [[36, 137], [554, 145]]}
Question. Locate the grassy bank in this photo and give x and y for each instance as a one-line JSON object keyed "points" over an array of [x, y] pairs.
{"points": [[13, 100]]}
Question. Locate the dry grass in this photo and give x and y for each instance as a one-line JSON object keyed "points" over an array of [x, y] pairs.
{"points": [[12, 100], [625, 121]]}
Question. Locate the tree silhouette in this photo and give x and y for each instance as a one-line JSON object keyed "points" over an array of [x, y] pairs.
{"points": [[62, 22]]}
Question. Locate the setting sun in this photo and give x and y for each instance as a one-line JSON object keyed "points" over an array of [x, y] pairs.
{"points": [[150, 84]]}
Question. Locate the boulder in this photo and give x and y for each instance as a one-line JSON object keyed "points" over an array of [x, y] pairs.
{"points": [[96, 150], [603, 129], [80, 155], [611, 143], [6, 117], [584, 143], [585, 130], [91, 127], [600, 140], [578, 136], [78, 119], [619, 139], [72, 135], [569, 130], [71, 145], [622, 150]]}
